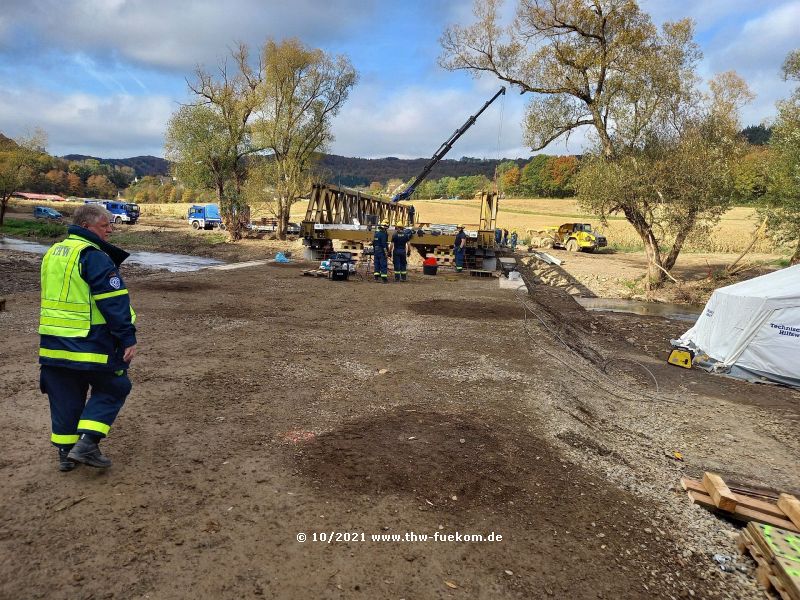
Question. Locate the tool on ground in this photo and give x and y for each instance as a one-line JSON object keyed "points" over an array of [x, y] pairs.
{"points": [[681, 357]]}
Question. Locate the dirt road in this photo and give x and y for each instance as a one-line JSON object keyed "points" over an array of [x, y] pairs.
{"points": [[261, 411]]}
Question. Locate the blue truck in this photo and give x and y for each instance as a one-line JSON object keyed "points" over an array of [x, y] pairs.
{"points": [[205, 216], [121, 212]]}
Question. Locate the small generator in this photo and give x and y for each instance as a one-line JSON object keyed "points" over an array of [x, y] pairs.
{"points": [[681, 357], [341, 265]]}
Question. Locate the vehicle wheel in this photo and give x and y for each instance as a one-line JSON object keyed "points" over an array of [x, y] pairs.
{"points": [[548, 243], [195, 225], [572, 245], [589, 249], [118, 220], [222, 226]]}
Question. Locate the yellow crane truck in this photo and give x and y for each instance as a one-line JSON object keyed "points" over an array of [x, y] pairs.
{"points": [[571, 236]]}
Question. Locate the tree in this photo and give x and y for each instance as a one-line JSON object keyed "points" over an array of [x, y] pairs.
{"points": [[18, 162], [782, 201], [531, 176], [74, 184], [757, 135], [99, 186], [209, 141], [602, 64], [680, 182], [508, 176], [302, 90]]}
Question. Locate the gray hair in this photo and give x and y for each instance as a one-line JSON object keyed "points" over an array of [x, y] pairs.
{"points": [[89, 214]]}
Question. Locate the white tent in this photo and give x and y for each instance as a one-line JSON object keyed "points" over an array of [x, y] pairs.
{"points": [[752, 329]]}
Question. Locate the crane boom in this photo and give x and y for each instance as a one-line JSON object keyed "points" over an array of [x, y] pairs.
{"points": [[445, 148]]}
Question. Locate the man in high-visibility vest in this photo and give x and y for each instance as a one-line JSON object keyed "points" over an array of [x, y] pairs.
{"points": [[88, 337]]}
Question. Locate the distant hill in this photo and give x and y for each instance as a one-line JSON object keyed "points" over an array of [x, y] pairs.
{"points": [[7, 143], [362, 171], [142, 165], [342, 170]]}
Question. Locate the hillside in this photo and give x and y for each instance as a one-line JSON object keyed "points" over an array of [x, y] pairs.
{"points": [[142, 165], [362, 171], [340, 169]]}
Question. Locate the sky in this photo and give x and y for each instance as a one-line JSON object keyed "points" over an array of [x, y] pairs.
{"points": [[102, 77]]}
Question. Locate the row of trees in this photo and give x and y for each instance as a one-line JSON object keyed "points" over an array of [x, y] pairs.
{"points": [[663, 149], [25, 165], [543, 176]]}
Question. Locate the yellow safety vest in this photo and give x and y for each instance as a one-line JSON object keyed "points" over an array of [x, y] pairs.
{"points": [[68, 309]]}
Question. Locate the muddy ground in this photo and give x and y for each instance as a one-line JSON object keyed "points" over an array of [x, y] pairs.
{"points": [[267, 404]]}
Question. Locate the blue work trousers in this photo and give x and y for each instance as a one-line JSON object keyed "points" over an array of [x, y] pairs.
{"points": [[400, 264], [70, 411], [459, 252], [381, 264]]}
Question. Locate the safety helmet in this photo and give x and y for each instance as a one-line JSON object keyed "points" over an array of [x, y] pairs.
{"points": [[459, 226], [385, 223]]}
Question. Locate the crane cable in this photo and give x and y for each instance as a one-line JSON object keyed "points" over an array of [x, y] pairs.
{"points": [[499, 136]]}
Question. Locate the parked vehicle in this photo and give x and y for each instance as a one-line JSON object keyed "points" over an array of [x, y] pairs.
{"points": [[571, 236], [45, 212], [121, 212], [205, 216]]}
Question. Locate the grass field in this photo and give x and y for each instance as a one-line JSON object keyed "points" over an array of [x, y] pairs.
{"points": [[731, 234]]}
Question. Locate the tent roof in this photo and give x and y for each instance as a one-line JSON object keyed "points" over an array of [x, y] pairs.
{"points": [[778, 285]]}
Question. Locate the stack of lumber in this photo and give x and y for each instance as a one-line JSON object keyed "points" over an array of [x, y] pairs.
{"points": [[743, 505], [777, 552]]}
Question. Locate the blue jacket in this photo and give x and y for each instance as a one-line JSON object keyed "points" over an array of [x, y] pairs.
{"points": [[380, 239], [100, 269]]}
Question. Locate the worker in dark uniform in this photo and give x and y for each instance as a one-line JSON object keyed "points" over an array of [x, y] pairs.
{"points": [[411, 215], [380, 246], [88, 338], [458, 248], [514, 239], [399, 251]]}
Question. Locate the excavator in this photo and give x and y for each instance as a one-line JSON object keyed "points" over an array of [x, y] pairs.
{"points": [[444, 149]]}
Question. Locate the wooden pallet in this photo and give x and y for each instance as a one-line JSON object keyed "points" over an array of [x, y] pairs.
{"points": [[712, 493], [777, 553], [315, 273]]}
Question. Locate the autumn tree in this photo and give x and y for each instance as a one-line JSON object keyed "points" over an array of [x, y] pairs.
{"points": [[782, 201], [603, 65], [302, 90], [209, 141], [18, 165]]}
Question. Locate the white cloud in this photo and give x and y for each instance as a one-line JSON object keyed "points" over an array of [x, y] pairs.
{"points": [[116, 126], [179, 34], [415, 122]]}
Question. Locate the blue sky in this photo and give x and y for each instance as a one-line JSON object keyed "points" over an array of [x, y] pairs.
{"points": [[102, 77]]}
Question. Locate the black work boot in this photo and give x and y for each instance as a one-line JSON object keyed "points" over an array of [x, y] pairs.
{"points": [[88, 452], [377, 277], [64, 464]]}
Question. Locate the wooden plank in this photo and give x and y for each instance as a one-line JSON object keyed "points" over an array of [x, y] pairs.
{"points": [[782, 549], [719, 492], [791, 506], [745, 501], [741, 513]]}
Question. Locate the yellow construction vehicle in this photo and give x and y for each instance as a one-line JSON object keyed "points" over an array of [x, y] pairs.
{"points": [[571, 236]]}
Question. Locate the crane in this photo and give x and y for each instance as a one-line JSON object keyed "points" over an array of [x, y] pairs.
{"points": [[444, 149]]}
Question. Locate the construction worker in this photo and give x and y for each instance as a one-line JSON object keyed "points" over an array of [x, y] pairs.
{"points": [[399, 251], [514, 239], [380, 246], [88, 337], [411, 215], [458, 248]]}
